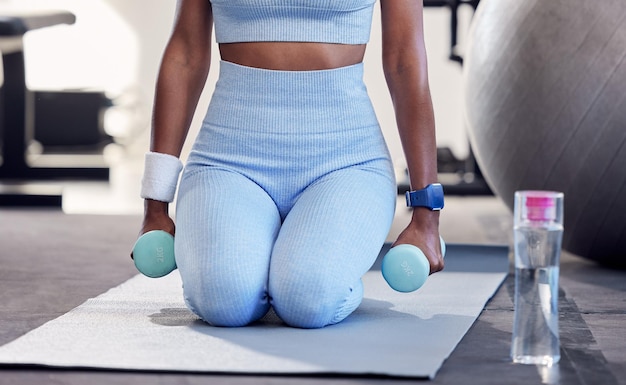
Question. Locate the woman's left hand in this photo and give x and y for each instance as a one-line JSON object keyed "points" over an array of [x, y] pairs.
{"points": [[423, 232]]}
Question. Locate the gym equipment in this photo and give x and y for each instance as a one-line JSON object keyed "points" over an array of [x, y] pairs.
{"points": [[153, 254], [453, 6], [545, 104], [18, 119], [405, 267], [463, 175]]}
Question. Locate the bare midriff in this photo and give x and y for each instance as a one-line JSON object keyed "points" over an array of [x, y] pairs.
{"points": [[292, 56]]}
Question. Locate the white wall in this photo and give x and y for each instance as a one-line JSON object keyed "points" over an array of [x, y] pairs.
{"points": [[115, 46]]}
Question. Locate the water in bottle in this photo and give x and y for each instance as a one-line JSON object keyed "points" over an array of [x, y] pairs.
{"points": [[538, 232]]}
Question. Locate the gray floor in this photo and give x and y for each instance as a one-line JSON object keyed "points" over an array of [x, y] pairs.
{"points": [[40, 280]]}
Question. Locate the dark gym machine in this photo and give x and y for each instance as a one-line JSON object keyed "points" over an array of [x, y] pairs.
{"points": [[20, 178]]}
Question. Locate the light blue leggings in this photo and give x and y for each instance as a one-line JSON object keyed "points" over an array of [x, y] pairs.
{"points": [[286, 198]]}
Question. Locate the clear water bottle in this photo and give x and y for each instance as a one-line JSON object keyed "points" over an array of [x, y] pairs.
{"points": [[538, 231]]}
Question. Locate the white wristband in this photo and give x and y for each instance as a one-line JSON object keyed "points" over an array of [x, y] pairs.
{"points": [[160, 176]]}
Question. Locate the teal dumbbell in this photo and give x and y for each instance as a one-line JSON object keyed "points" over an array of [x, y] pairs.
{"points": [[154, 254], [406, 268]]}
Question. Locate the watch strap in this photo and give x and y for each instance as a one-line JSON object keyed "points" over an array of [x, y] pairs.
{"points": [[431, 197]]}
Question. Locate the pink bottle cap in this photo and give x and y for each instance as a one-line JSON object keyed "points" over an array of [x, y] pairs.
{"points": [[540, 207]]}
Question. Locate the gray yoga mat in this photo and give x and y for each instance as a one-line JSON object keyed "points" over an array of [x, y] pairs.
{"points": [[143, 324]]}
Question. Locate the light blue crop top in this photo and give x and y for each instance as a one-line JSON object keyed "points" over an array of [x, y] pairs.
{"points": [[320, 21]]}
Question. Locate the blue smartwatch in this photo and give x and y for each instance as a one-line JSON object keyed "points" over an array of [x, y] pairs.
{"points": [[430, 197]]}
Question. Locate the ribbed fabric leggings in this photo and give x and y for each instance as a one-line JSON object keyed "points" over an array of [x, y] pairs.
{"points": [[286, 199]]}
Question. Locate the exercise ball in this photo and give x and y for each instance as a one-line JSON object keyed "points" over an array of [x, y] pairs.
{"points": [[545, 104]]}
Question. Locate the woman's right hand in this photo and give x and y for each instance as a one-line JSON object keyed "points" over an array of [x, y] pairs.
{"points": [[156, 217]]}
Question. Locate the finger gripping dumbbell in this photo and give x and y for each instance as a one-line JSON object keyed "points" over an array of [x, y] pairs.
{"points": [[153, 254], [406, 268]]}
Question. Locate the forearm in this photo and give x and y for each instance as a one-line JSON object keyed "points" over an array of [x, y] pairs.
{"points": [[182, 75], [417, 133], [179, 85], [416, 124], [416, 127], [407, 77], [406, 71]]}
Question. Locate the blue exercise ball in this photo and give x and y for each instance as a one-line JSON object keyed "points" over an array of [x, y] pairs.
{"points": [[545, 102]]}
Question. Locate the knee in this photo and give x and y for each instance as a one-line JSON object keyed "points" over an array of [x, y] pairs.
{"points": [[304, 315], [314, 306], [226, 305]]}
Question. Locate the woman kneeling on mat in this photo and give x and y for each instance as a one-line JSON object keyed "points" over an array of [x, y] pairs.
{"points": [[288, 193]]}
